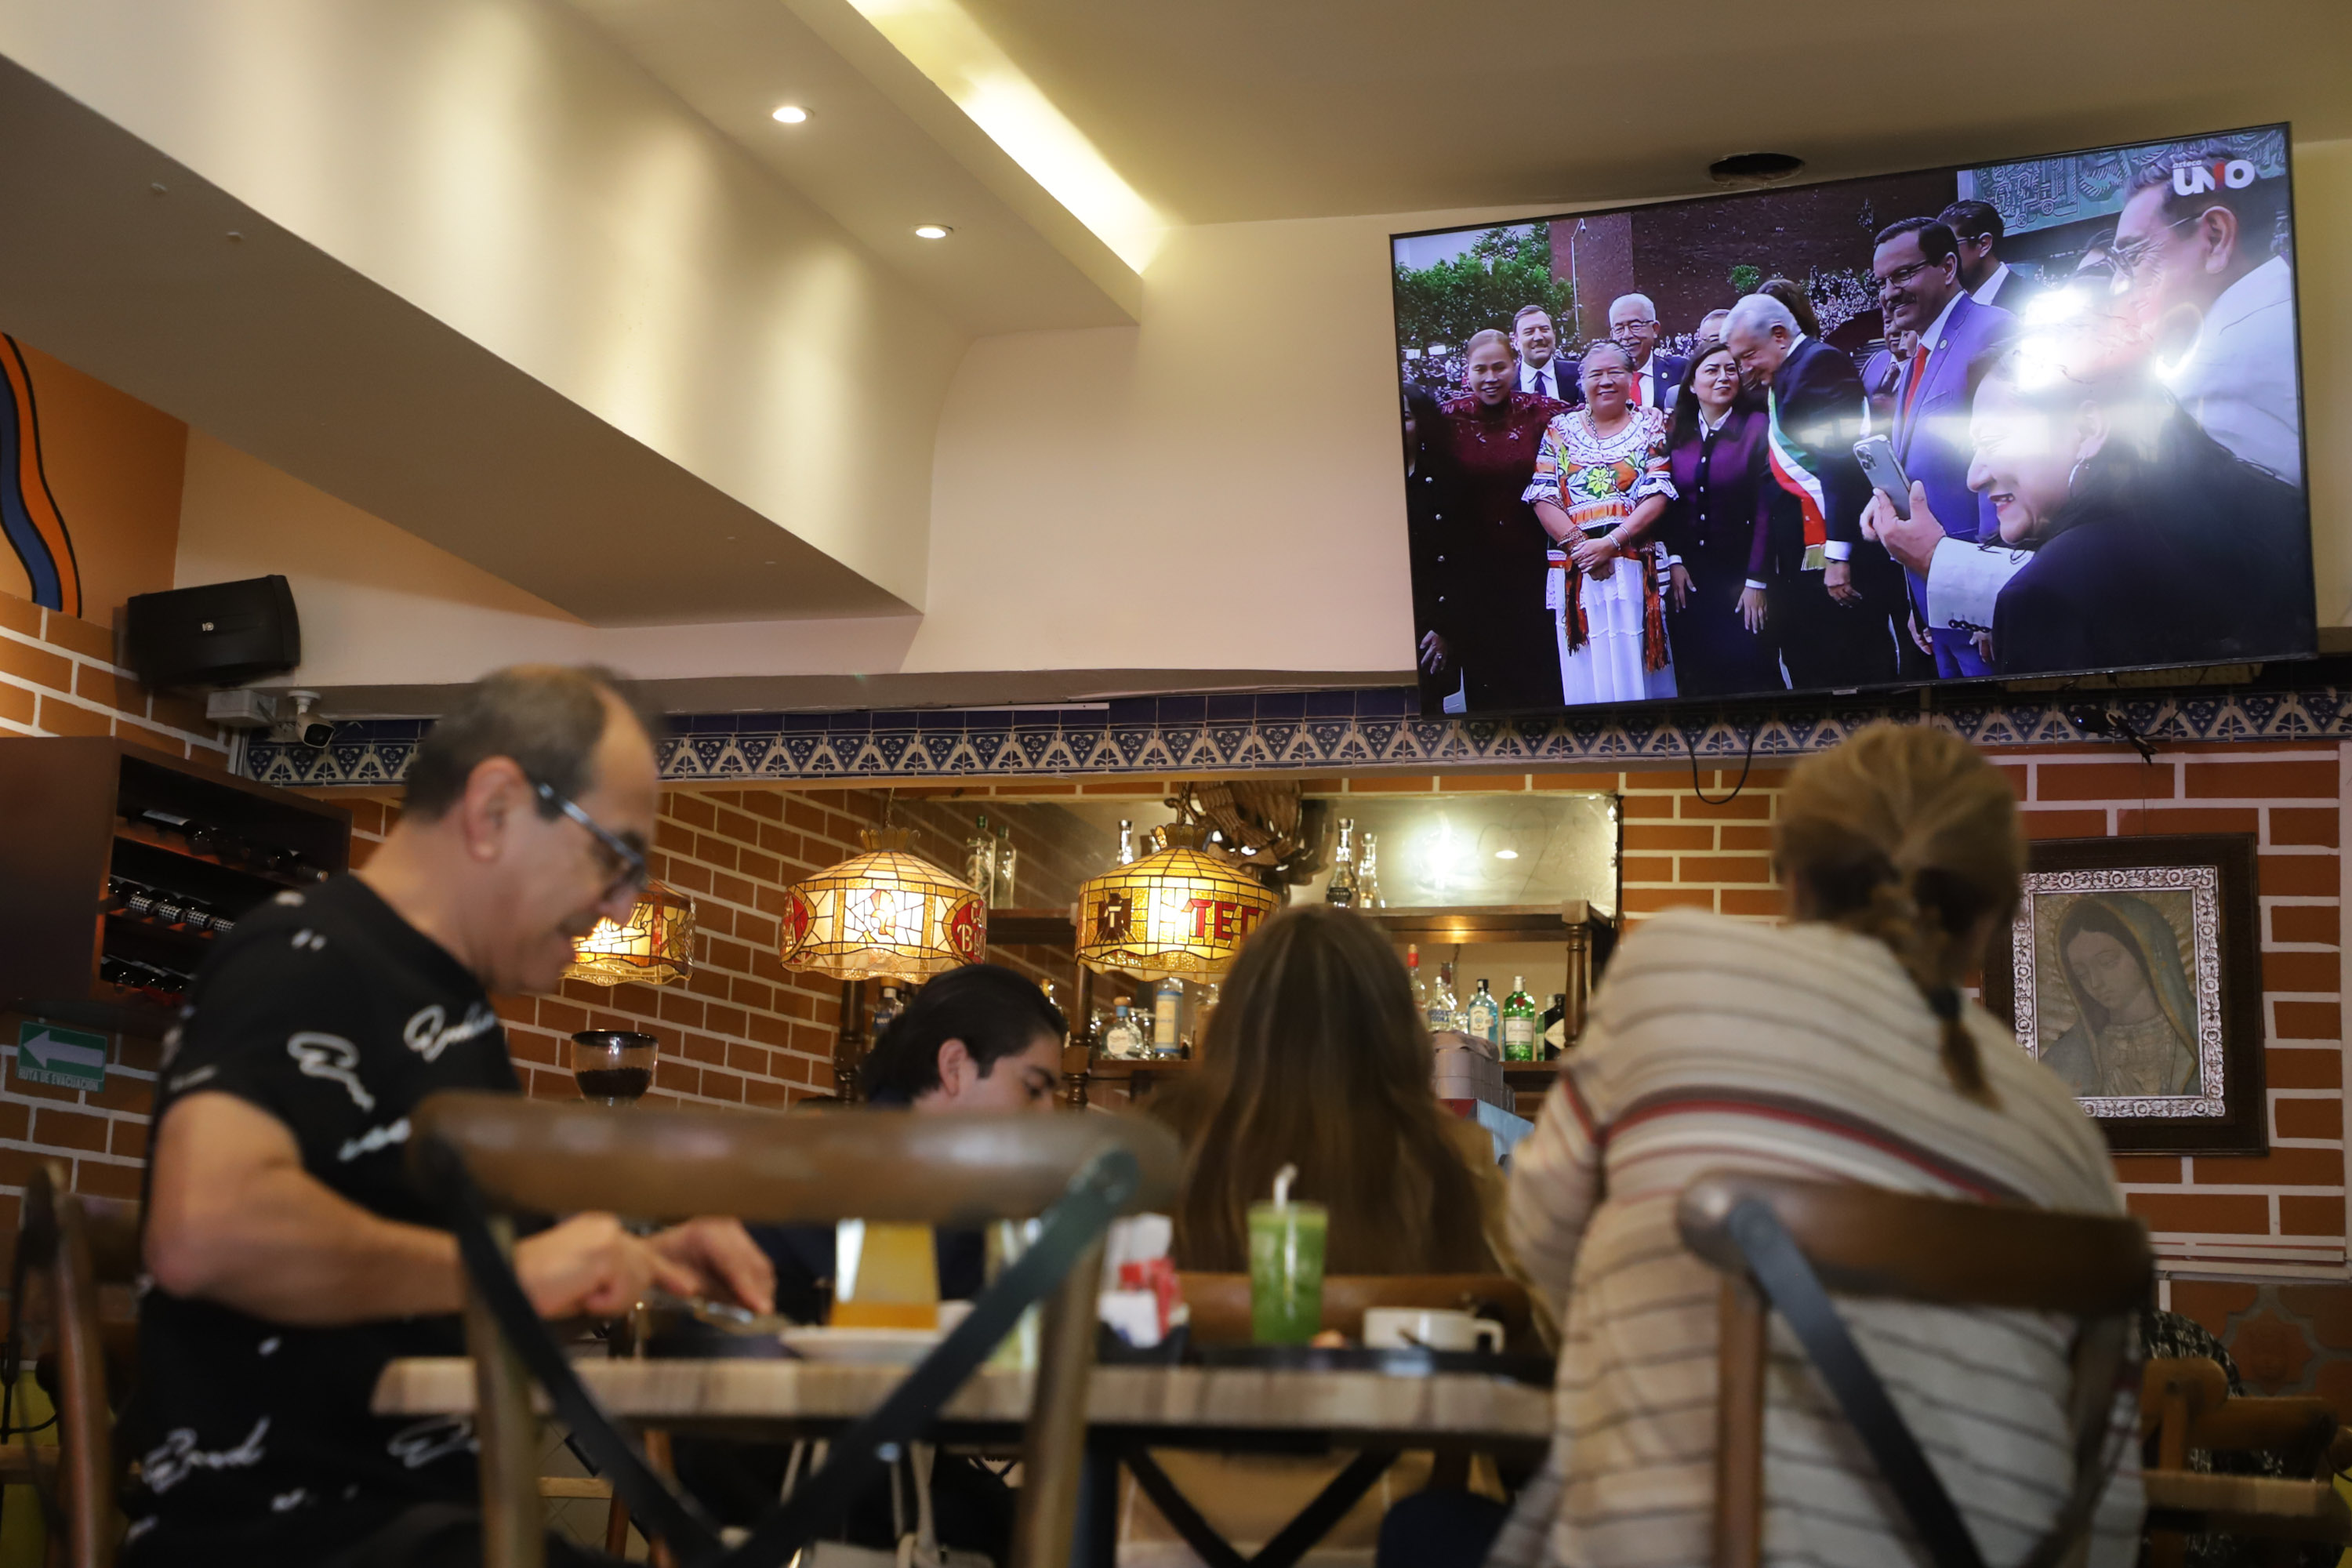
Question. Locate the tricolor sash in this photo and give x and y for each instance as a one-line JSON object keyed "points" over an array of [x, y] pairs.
{"points": [[1793, 469]]}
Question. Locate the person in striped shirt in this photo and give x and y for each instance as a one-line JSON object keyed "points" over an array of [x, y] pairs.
{"points": [[1832, 1048]]}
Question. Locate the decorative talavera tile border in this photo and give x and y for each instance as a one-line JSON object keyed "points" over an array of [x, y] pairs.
{"points": [[1361, 729]]}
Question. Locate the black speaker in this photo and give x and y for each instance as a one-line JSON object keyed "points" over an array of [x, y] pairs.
{"points": [[222, 634]]}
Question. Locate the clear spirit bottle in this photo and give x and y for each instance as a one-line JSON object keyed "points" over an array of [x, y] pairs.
{"points": [[1412, 974], [1444, 1008], [1485, 1017], [1367, 875], [1124, 1039], [1341, 889], [1007, 858], [980, 863], [1167, 1016], [1126, 842], [1518, 1023]]}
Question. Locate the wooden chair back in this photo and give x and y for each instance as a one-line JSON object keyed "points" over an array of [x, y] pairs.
{"points": [[1865, 1241], [665, 1164], [72, 1249], [1221, 1302]]}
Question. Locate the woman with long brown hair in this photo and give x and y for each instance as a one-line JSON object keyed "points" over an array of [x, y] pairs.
{"points": [[1316, 1058], [1834, 1048]]}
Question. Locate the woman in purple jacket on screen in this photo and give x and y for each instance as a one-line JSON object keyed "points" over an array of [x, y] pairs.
{"points": [[1718, 616]]}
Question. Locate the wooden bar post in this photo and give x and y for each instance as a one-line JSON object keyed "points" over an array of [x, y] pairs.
{"points": [[1739, 1428], [1053, 1450], [514, 1532]]}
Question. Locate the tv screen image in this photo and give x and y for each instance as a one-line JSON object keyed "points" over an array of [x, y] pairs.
{"points": [[2025, 419]]}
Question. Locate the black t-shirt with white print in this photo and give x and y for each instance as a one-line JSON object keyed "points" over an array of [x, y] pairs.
{"points": [[336, 1017]]}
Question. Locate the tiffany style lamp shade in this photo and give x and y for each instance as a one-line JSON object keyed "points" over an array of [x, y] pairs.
{"points": [[654, 946], [883, 915], [1182, 911]]}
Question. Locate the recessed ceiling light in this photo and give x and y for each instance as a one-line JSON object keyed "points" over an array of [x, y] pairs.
{"points": [[932, 231], [789, 115], [1507, 854]]}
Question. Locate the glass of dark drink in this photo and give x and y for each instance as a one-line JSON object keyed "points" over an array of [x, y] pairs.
{"points": [[615, 1066]]}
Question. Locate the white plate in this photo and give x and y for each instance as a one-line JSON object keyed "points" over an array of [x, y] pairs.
{"points": [[870, 1347]]}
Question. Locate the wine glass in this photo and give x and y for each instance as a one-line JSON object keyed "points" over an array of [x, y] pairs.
{"points": [[616, 1065]]}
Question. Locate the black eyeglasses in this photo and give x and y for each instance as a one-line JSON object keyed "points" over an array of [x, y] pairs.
{"points": [[1901, 275], [623, 859]]}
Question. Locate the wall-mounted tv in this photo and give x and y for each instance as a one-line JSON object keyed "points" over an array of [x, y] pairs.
{"points": [[2023, 419]]}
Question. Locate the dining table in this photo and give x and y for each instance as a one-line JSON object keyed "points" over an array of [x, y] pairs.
{"points": [[1374, 1406]]}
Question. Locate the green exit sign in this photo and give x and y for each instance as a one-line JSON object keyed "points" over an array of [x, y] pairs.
{"points": [[65, 1058]]}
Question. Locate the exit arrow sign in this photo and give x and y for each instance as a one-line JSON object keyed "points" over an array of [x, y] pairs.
{"points": [[64, 1058]]}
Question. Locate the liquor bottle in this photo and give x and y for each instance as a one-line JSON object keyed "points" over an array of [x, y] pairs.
{"points": [[1413, 974], [1123, 1039], [1367, 875], [1007, 857], [1443, 1011], [980, 863], [1555, 1026], [1485, 1018], [1518, 1023], [889, 1007], [1167, 1012], [1341, 889]]}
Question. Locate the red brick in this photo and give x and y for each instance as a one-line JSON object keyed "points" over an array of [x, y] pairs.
{"points": [[692, 809], [16, 705], [144, 1056], [2307, 1118], [2301, 972], [2262, 781], [15, 1120], [60, 717], [736, 825], [750, 992], [2136, 820], [676, 1076], [2101, 781], [771, 1031], [734, 890], [181, 713], [1646, 869], [751, 1059], [37, 665], [1725, 868], [1768, 903], [2306, 825], [533, 1046], [1606, 783], [2151, 1170], [2305, 922], [102, 686], [2063, 823], [2307, 1020], [561, 1016], [1636, 806], [41, 1091], [691, 878], [62, 1128], [84, 637], [2300, 1069], [1481, 783], [2213, 1213], [107, 1181], [760, 867], [1743, 807], [704, 1048], [2306, 1215], [516, 1010], [2301, 876], [767, 803], [677, 1009], [122, 1092], [20, 615], [768, 1093], [721, 1020], [1740, 835], [722, 1086], [129, 1139], [1649, 900], [2279, 1168]]}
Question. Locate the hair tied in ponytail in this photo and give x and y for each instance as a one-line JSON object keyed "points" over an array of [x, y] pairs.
{"points": [[1944, 1000]]}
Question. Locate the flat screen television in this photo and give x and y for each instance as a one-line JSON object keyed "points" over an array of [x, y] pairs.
{"points": [[2017, 420]]}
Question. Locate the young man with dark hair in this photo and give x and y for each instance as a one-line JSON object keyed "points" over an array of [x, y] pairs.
{"points": [[2193, 242], [1989, 280], [290, 1257]]}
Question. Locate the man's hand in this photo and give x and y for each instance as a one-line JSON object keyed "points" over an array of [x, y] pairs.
{"points": [[1751, 608], [589, 1265], [1912, 540], [1433, 652], [724, 1257], [1838, 578], [1679, 580], [1919, 637]]}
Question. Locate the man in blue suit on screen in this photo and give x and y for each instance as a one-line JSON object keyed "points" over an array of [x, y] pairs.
{"points": [[1919, 290]]}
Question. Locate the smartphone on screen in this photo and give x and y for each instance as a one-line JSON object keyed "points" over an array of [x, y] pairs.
{"points": [[1880, 467]]}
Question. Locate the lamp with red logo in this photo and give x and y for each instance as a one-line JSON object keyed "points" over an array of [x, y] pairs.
{"points": [[883, 915], [1185, 910]]}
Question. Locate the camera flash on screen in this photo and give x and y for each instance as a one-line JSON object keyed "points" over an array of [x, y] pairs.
{"points": [[789, 115], [932, 231]]}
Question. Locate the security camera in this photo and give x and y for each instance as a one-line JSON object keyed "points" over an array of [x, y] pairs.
{"points": [[300, 728]]}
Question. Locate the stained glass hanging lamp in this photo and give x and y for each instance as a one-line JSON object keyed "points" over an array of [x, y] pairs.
{"points": [[886, 914], [1184, 910], [653, 947]]}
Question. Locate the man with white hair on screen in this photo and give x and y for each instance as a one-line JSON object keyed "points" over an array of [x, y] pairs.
{"points": [[1633, 322]]}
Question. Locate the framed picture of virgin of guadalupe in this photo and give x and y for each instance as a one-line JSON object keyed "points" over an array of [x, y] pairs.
{"points": [[2133, 971]]}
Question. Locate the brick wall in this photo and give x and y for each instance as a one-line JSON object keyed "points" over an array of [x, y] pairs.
{"points": [[57, 677]]}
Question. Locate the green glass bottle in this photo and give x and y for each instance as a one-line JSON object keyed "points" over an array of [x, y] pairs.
{"points": [[1519, 1022]]}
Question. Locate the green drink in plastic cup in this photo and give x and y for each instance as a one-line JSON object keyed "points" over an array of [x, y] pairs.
{"points": [[1285, 1253]]}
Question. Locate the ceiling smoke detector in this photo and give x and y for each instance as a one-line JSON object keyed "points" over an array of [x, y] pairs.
{"points": [[1746, 170]]}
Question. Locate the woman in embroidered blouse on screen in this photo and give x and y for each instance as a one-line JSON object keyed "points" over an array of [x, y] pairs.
{"points": [[1601, 485]]}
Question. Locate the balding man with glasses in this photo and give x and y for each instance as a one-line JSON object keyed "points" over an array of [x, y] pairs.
{"points": [[291, 1258]]}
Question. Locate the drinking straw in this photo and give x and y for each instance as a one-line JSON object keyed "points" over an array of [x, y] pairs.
{"points": [[1282, 1180]]}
